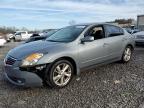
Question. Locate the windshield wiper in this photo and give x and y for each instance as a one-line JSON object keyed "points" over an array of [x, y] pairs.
{"points": [[55, 41], [52, 40]]}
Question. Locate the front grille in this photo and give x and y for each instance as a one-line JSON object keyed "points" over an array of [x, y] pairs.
{"points": [[140, 36], [10, 60]]}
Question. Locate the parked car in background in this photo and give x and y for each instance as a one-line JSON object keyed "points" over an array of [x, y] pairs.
{"points": [[37, 37], [56, 60], [139, 38], [22, 35], [131, 31], [2, 41]]}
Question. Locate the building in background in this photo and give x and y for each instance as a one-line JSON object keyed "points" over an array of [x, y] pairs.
{"points": [[140, 22]]}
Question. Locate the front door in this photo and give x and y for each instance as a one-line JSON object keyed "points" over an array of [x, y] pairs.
{"points": [[95, 52]]}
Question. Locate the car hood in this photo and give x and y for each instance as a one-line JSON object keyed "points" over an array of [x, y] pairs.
{"points": [[24, 50]]}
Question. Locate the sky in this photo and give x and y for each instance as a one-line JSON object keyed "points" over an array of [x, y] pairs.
{"points": [[46, 14]]}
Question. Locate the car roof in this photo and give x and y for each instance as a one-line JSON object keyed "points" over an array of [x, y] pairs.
{"points": [[90, 24]]}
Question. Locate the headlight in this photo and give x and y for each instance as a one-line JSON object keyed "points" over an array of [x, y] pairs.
{"points": [[31, 59]]}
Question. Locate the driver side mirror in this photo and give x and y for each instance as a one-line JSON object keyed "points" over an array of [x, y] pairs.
{"points": [[87, 39]]}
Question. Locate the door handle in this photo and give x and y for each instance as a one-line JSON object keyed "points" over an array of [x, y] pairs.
{"points": [[124, 39], [105, 44]]}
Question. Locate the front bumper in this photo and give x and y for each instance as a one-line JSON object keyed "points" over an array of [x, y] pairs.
{"points": [[22, 78], [18, 38]]}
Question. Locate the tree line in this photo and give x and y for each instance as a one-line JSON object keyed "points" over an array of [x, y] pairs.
{"points": [[6, 30], [123, 21]]}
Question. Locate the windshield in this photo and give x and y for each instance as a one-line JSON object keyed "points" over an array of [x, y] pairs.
{"points": [[67, 34], [18, 33]]}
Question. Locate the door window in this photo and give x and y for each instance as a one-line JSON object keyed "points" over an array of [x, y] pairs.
{"points": [[97, 32], [114, 31]]}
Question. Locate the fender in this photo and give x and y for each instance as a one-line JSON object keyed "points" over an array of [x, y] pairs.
{"points": [[50, 58]]}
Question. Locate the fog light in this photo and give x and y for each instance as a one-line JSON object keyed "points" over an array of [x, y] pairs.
{"points": [[40, 67], [19, 81]]}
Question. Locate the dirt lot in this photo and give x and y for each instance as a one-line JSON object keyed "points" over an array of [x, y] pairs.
{"points": [[111, 86]]}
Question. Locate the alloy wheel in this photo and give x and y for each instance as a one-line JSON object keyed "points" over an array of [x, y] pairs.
{"points": [[62, 74], [127, 54]]}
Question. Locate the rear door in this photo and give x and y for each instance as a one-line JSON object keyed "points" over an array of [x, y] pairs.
{"points": [[115, 40]]}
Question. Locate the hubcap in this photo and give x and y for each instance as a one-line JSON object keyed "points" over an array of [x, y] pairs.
{"points": [[62, 74], [127, 54]]}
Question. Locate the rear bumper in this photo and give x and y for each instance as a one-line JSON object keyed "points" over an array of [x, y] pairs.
{"points": [[139, 41], [22, 78]]}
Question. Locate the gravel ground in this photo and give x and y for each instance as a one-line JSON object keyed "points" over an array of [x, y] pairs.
{"points": [[111, 86]]}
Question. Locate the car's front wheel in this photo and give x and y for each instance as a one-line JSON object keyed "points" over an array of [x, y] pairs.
{"points": [[12, 40], [127, 54], [59, 74]]}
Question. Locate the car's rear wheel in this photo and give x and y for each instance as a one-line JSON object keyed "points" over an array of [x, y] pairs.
{"points": [[60, 74], [127, 54]]}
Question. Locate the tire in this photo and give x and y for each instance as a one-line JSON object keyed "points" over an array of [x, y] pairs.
{"points": [[127, 54], [13, 40], [8, 41], [59, 74]]}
